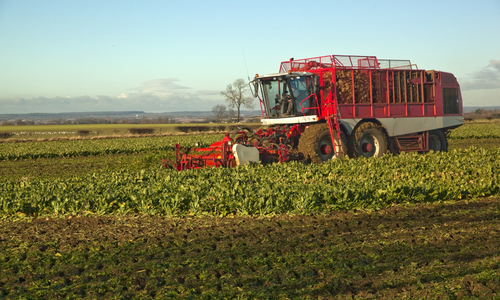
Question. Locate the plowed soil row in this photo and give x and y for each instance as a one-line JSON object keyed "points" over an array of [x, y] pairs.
{"points": [[45, 168], [443, 251]]}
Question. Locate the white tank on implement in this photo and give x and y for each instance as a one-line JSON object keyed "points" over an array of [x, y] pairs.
{"points": [[245, 154]]}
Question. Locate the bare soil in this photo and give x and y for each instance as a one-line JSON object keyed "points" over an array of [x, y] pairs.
{"points": [[444, 251]]}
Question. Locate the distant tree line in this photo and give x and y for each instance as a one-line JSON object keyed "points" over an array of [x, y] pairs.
{"points": [[95, 120], [18, 122], [220, 114], [482, 114]]}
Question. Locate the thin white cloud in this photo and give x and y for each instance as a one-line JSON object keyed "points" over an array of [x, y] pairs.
{"points": [[486, 78], [208, 92], [176, 101], [159, 87], [153, 95]]}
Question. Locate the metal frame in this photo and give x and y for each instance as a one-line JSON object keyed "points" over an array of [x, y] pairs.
{"points": [[401, 91]]}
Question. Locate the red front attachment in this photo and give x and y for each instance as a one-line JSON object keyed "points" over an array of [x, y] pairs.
{"points": [[220, 154]]}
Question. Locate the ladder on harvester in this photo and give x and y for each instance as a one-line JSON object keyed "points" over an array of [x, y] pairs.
{"points": [[335, 133], [334, 126]]}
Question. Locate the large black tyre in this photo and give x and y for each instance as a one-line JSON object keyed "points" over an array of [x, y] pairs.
{"points": [[316, 145], [438, 141], [368, 140]]}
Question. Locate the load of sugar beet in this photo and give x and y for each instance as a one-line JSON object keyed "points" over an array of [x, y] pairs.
{"points": [[361, 86]]}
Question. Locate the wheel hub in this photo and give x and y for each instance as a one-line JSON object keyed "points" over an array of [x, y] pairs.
{"points": [[326, 149], [367, 147]]}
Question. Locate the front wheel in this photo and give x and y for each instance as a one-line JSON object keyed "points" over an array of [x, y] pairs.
{"points": [[316, 145], [368, 140], [437, 141]]}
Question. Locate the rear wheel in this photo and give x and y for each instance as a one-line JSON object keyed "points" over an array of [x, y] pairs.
{"points": [[316, 144], [437, 141], [368, 140]]}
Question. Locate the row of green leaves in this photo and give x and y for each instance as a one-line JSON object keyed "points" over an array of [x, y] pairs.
{"points": [[274, 189], [33, 150], [477, 131]]}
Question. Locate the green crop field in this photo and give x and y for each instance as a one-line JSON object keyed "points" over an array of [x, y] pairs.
{"points": [[265, 190], [476, 131], [70, 130], [34, 150], [102, 219], [54, 132]]}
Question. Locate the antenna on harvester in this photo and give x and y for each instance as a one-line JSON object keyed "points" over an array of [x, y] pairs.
{"points": [[245, 60]]}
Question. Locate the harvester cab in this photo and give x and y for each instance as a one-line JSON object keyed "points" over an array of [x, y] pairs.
{"points": [[287, 95]]}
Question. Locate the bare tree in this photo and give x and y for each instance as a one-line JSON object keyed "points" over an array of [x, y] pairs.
{"points": [[235, 95], [220, 112], [231, 115]]}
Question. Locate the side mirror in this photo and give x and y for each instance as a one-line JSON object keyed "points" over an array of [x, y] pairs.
{"points": [[254, 88], [316, 84]]}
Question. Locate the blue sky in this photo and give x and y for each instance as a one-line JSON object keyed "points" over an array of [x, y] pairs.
{"points": [[62, 56]]}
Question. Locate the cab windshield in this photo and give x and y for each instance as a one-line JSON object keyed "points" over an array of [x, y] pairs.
{"points": [[289, 96]]}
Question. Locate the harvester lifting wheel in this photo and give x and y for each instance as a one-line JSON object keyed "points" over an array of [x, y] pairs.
{"points": [[437, 141], [275, 138], [244, 135], [316, 144], [368, 140]]}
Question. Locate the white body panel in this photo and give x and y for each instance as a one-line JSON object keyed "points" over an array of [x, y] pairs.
{"points": [[402, 126], [393, 126], [292, 120]]}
